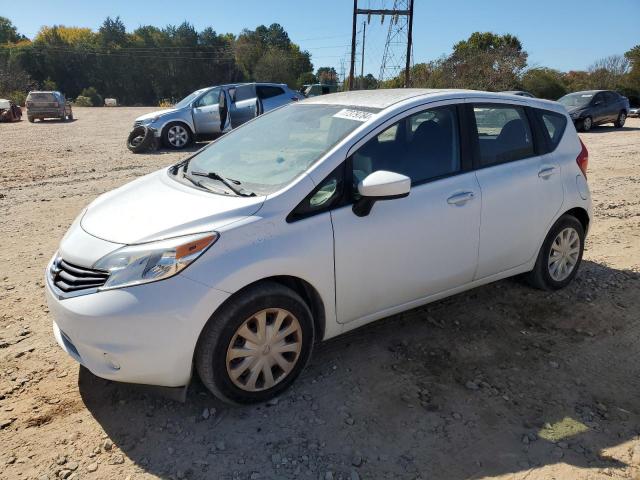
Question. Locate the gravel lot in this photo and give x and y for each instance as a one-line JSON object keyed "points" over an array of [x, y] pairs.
{"points": [[498, 382]]}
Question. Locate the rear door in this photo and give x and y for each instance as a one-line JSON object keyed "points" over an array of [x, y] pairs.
{"points": [[517, 183], [206, 114], [244, 105], [600, 110]]}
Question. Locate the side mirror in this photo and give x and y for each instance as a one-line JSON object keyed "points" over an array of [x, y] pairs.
{"points": [[380, 185]]}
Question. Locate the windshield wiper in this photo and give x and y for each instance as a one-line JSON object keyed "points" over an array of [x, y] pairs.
{"points": [[229, 183]]}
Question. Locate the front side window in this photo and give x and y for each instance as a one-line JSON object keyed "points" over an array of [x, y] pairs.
{"points": [[503, 134], [424, 146], [269, 152], [210, 98]]}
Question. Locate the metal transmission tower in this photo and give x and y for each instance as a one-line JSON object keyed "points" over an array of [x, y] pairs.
{"points": [[398, 43]]}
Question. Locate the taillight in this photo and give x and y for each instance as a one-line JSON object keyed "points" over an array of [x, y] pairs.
{"points": [[583, 159]]}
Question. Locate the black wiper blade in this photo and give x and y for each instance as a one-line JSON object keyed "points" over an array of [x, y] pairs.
{"points": [[201, 185], [225, 181]]}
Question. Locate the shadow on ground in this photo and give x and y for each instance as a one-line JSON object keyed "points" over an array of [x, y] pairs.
{"points": [[611, 128], [497, 380]]}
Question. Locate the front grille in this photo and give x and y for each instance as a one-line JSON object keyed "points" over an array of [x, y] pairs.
{"points": [[71, 278]]}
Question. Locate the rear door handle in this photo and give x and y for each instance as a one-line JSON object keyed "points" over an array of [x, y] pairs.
{"points": [[460, 198], [546, 172]]}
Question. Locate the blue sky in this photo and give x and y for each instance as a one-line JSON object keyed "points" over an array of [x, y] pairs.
{"points": [[563, 34]]}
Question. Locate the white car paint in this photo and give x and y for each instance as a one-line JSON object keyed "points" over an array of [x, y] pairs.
{"points": [[446, 236]]}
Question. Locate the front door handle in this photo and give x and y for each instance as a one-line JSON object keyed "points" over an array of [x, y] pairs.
{"points": [[546, 172], [460, 198]]}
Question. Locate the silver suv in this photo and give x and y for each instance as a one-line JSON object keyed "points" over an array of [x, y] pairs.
{"points": [[213, 110], [48, 105]]}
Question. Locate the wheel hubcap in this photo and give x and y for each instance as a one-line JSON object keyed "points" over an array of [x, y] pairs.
{"points": [[587, 123], [564, 254], [623, 118], [177, 136], [264, 349]]}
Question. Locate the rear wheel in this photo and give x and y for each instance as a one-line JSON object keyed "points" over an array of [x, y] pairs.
{"points": [[586, 124], [560, 255], [256, 345], [31, 119], [622, 118], [176, 135]]}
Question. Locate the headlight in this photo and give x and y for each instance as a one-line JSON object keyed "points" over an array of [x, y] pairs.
{"points": [[150, 262]]}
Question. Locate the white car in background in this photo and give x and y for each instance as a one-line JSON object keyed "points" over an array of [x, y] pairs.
{"points": [[313, 220]]}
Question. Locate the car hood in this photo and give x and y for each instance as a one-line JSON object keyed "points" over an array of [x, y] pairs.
{"points": [[155, 207], [576, 109], [149, 116]]}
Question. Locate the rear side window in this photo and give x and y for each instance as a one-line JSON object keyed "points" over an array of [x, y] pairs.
{"points": [[244, 92], [553, 125], [266, 91], [503, 133]]}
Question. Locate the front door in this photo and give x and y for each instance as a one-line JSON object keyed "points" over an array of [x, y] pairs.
{"points": [[407, 249], [206, 116]]}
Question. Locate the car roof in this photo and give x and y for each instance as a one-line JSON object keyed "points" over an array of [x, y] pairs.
{"points": [[386, 98], [590, 92]]}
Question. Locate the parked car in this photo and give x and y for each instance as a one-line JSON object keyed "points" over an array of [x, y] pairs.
{"points": [[315, 89], [313, 220], [634, 112], [520, 93], [9, 111], [41, 105], [595, 107], [210, 111]]}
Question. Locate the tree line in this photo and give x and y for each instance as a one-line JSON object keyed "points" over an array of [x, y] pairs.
{"points": [[147, 65], [486, 61], [151, 65]]}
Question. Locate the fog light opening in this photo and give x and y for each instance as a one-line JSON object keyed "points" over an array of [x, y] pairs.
{"points": [[113, 364]]}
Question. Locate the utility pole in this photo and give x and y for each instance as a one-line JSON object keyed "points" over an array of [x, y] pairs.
{"points": [[405, 10], [407, 71], [353, 45], [364, 36]]}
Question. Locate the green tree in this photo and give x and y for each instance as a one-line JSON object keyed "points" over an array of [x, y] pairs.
{"points": [[327, 75], [8, 32], [544, 83]]}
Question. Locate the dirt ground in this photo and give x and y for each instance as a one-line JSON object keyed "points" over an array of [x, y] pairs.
{"points": [[499, 382]]}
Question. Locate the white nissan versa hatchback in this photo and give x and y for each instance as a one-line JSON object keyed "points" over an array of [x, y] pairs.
{"points": [[312, 220]]}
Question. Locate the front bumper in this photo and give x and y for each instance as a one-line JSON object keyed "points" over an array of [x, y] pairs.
{"points": [[145, 334]]}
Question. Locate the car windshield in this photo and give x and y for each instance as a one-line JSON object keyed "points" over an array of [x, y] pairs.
{"points": [[186, 100], [269, 152], [576, 99]]}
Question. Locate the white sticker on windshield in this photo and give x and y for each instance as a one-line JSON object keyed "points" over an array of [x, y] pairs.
{"points": [[357, 115]]}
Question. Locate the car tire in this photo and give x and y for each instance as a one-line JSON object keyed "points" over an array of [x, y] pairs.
{"points": [[140, 139], [70, 116], [176, 136], [622, 118], [241, 380], [31, 119], [563, 245], [586, 124]]}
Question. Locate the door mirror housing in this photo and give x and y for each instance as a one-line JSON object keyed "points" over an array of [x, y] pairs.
{"points": [[380, 185]]}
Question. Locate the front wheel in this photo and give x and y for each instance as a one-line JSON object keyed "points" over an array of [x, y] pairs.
{"points": [[622, 117], [176, 136], [560, 255], [256, 345], [586, 124]]}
